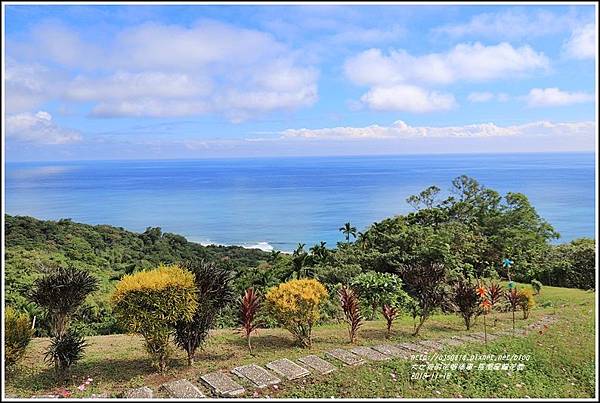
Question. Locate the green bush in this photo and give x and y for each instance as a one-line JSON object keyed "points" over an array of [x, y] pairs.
{"points": [[537, 286], [377, 289], [152, 302], [17, 336]]}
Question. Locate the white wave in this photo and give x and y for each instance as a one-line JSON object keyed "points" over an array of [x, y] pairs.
{"points": [[264, 246]]}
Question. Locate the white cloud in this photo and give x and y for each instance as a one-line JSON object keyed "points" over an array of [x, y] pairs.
{"points": [[464, 62], [400, 130], [486, 96], [480, 96], [218, 68], [511, 23], [583, 42], [124, 85], [407, 98], [538, 97], [38, 128]]}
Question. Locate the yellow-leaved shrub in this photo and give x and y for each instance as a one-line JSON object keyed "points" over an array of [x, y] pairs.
{"points": [[151, 302], [296, 306], [526, 301]]}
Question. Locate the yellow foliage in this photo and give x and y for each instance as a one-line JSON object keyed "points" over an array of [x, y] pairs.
{"points": [[526, 301], [154, 280], [296, 304]]}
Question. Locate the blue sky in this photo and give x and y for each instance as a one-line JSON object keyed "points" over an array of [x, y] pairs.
{"points": [[198, 81]]}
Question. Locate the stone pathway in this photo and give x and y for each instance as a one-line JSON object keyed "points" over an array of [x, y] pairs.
{"points": [[220, 384]]}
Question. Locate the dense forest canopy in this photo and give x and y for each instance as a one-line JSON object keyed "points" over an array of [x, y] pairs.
{"points": [[468, 233]]}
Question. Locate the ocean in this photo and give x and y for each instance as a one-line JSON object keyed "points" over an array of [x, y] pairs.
{"points": [[279, 202]]}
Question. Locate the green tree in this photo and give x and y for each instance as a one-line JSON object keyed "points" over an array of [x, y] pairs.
{"points": [[348, 230]]}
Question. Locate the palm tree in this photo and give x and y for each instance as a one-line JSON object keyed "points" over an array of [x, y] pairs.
{"points": [[298, 260], [274, 256], [319, 252], [348, 230]]}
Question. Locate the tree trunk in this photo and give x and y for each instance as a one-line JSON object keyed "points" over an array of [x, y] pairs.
{"points": [[421, 322], [249, 344]]}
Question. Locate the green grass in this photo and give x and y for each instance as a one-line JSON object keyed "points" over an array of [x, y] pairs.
{"points": [[561, 365]]}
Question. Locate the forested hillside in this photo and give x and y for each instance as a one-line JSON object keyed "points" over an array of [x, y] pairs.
{"points": [[33, 245]]}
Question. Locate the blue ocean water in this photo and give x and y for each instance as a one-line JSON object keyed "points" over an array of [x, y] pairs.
{"points": [[278, 202]]}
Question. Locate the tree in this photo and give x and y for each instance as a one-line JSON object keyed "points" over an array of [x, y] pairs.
{"points": [[351, 308], [152, 302], [348, 230], [298, 262], [319, 253], [377, 289], [60, 293], [425, 283], [296, 306], [214, 290], [249, 306]]}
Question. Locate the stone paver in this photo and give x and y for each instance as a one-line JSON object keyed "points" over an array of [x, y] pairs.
{"points": [[318, 364], [451, 342], [182, 389], [415, 348], [345, 356], [370, 353], [392, 351], [222, 385], [259, 376], [431, 344], [288, 369], [139, 393]]}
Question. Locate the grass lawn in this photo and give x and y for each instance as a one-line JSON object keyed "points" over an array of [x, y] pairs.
{"points": [[561, 364]]}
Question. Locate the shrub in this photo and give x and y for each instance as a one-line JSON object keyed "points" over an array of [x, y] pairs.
{"points": [[60, 293], [537, 286], [426, 285], [214, 292], [466, 301], [295, 304], [526, 301], [350, 306], [249, 306], [376, 289], [65, 350], [152, 302], [18, 333]]}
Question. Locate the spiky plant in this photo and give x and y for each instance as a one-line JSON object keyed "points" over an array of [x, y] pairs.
{"points": [[65, 350], [351, 308], [213, 286], [493, 295], [249, 306], [60, 293], [389, 313]]}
